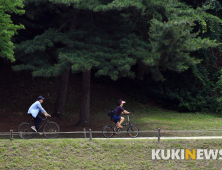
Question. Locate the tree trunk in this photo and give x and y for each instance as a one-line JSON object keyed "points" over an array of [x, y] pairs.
{"points": [[61, 97], [85, 100]]}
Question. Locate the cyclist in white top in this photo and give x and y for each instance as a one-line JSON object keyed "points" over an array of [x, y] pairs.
{"points": [[34, 110]]}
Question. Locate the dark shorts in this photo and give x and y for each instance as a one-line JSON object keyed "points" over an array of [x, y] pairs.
{"points": [[116, 118]]}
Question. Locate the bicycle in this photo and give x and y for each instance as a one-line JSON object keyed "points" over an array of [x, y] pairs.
{"points": [[50, 129], [132, 130]]}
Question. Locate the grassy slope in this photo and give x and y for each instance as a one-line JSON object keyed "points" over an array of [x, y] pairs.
{"points": [[153, 118], [20, 90], [99, 154]]}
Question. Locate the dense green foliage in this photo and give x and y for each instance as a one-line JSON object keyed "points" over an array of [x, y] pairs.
{"points": [[7, 28], [100, 37], [122, 38], [81, 43], [198, 88]]}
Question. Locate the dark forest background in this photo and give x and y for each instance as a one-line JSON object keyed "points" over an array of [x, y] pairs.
{"points": [[163, 51]]}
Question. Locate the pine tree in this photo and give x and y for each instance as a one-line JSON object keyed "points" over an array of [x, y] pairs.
{"points": [[87, 40], [110, 37], [7, 28], [173, 38]]}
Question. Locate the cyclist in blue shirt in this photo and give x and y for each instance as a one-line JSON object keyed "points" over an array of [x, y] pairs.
{"points": [[119, 110], [34, 110]]}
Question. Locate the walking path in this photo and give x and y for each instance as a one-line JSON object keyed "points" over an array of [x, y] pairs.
{"points": [[151, 138], [175, 137]]}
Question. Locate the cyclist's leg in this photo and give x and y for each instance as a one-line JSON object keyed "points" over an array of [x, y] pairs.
{"points": [[38, 121], [33, 119], [116, 119], [33, 122], [117, 124], [121, 121], [31, 116]]}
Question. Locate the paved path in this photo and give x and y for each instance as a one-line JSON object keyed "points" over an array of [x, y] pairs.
{"points": [[161, 138], [151, 138]]}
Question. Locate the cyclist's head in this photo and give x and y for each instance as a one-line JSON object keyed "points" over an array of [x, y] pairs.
{"points": [[120, 102], [40, 99]]}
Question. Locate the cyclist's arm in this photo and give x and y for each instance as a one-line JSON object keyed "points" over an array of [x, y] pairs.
{"points": [[43, 110], [125, 112]]}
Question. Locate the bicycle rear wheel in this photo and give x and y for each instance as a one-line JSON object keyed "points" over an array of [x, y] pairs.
{"points": [[133, 131], [51, 130], [107, 131], [25, 131]]}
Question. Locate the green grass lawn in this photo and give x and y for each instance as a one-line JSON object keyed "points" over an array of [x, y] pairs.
{"points": [[151, 118], [148, 118], [100, 154]]}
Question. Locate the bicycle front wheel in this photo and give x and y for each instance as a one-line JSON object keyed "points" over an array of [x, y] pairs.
{"points": [[107, 131], [133, 131], [51, 130], [25, 131]]}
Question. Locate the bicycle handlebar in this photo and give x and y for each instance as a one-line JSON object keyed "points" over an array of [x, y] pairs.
{"points": [[126, 113]]}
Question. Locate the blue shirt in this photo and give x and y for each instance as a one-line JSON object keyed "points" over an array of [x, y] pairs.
{"points": [[35, 108]]}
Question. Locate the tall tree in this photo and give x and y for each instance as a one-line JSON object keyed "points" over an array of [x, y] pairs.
{"points": [[7, 28], [85, 99], [192, 89], [111, 37], [79, 43]]}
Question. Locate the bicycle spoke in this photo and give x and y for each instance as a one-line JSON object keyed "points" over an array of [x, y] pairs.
{"points": [[51, 130], [107, 131], [133, 131], [25, 131]]}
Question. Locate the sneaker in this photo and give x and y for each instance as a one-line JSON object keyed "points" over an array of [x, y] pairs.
{"points": [[33, 128], [120, 126]]}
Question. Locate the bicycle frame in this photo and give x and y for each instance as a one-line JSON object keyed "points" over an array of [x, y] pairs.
{"points": [[108, 131], [128, 123], [125, 124], [45, 122]]}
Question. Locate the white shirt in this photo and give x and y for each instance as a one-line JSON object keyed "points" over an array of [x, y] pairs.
{"points": [[35, 108]]}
